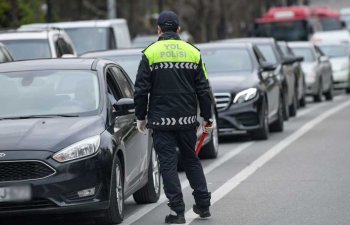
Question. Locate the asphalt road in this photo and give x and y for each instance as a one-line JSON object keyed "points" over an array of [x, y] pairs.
{"points": [[300, 176]]}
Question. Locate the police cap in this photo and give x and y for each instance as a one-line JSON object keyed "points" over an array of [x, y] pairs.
{"points": [[168, 18]]}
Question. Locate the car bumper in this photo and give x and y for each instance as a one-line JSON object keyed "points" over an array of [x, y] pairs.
{"points": [[58, 192], [341, 79], [239, 118]]}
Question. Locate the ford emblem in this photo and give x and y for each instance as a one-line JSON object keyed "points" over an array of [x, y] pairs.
{"points": [[2, 155]]}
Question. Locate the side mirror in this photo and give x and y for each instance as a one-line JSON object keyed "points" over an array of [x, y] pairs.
{"points": [[299, 58], [124, 106], [324, 58], [266, 69], [288, 60]]}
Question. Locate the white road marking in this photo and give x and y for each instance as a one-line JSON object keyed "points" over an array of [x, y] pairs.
{"points": [[184, 184], [319, 105], [266, 157]]}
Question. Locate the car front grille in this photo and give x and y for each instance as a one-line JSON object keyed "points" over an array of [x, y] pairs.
{"points": [[33, 204], [24, 170], [222, 101]]}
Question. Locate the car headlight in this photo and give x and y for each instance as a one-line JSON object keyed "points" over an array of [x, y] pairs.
{"points": [[78, 150], [245, 95]]}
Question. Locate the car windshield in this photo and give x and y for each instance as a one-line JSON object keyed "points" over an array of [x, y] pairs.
{"points": [[307, 53], [268, 53], [130, 64], [28, 49], [335, 51], [227, 60], [285, 31], [89, 39], [48, 92]]}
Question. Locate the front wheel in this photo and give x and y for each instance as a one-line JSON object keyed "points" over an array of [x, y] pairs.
{"points": [[115, 213], [263, 132], [318, 95], [330, 93], [151, 191], [278, 125], [294, 107]]}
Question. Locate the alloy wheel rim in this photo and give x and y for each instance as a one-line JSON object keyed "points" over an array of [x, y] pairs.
{"points": [[119, 189], [155, 171]]}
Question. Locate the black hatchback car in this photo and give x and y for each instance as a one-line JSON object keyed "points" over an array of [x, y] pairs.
{"points": [[68, 142], [247, 91]]}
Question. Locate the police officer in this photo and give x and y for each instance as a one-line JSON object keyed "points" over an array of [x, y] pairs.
{"points": [[170, 79]]}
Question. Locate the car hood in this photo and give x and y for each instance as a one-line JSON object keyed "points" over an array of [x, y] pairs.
{"points": [[340, 63], [49, 134], [232, 82]]}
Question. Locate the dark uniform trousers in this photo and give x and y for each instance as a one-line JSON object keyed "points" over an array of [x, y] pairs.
{"points": [[166, 143]]}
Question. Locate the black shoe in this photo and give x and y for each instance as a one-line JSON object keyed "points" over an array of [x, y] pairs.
{"points": [[202, 212], [178, 219]]}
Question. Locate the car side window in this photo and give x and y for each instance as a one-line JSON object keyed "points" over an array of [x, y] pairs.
{"points": [[58, 48], [111, 39], [112, 88], [7, 55], [123, 82], [2, 57], [318, 51], [259, 56], [65, 46]]}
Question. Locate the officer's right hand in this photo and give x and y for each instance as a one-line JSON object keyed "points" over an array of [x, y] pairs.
{"points": [[208, 127], [141, 126]]}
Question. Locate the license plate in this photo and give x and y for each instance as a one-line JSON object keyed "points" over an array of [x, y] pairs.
{"points": [[15, 194]]}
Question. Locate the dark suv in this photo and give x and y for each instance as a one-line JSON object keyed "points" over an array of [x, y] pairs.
{"points": [[69, 142]]}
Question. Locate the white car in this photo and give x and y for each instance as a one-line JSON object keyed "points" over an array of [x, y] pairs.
{"points": [[317, 69], [333, 36], [339, 54], [92, 35], [38, 44]]}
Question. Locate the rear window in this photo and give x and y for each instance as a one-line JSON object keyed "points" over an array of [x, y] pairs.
{"points": [[28, 49]]}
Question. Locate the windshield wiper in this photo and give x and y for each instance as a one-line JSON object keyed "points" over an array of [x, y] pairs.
{"points": [[38, 116]]}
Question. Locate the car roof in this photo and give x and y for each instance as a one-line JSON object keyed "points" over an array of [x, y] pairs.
{"points": [[76, 24], [251, 40], [224, 45], [25, 35], [299, 44], [119, 52], [49, 64]]}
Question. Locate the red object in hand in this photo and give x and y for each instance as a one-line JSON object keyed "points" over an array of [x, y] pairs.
{"points": [[200, 144]]}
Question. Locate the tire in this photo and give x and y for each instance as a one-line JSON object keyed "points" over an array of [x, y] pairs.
{"points": [[211, 149], [330, 93], [285, 108], [294, 107], [115, 213], [263, 132], [318, 96], [302, 101], [278, 125], [151, 191], [347, 90]]}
